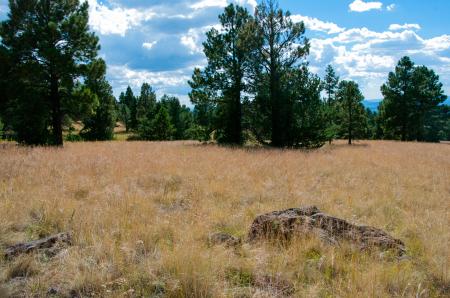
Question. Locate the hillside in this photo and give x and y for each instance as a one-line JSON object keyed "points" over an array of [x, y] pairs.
{"points": [[140, 214]]}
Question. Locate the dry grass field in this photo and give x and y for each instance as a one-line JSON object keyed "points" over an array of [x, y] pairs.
{"points": [[140, 214]]}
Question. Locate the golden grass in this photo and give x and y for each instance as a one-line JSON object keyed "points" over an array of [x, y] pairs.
{"points": [[141, 212]]}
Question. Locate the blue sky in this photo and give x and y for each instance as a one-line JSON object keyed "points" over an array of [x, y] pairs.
{"points": [[159, 41]]}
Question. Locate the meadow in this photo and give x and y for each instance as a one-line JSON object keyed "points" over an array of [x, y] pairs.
{"points": [[140, 214]]}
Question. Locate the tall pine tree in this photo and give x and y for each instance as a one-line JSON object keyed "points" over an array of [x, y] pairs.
{"points": [[100, 125], [49, 46], [279, 44], [222, 81], [352, 115], [330, 85], [410, 94]]}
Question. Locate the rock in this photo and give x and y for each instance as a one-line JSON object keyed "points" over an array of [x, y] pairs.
{"points": [[310, 220], [275, 285], [52, 291], [223, 238], [45, 243]]}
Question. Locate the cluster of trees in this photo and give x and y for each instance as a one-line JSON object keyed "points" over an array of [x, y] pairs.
{"points": [[256, 86], [51, 76], [50, 72], [152, 120]]}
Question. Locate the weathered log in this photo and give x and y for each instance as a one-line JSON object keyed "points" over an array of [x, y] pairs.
{"points": [[45, 243], [310, 220]]}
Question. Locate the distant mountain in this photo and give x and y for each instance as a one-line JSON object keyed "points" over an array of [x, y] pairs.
{"points": [[372, 104]]}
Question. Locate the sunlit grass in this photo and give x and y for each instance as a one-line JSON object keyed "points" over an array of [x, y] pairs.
{"points": [[141, 213]]}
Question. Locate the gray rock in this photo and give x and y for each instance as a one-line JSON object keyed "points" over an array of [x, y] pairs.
{"points": [[283, 225]]}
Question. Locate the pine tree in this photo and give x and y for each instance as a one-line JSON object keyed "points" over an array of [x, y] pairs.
{"points": [[49, 46], [222, 81], [279, 45], [308, 126], [180, 116], [146, 103], [353, 121], [100, 125], [330, 84], [410, 93], [128, 109], [157, 129]]}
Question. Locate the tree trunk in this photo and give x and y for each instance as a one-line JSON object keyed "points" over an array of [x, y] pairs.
{"points": [[56, 111], [237, 125], [275, 103], [350, 124]]}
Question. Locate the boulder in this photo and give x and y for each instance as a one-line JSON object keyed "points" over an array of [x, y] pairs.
{"points": [[298, 222]]}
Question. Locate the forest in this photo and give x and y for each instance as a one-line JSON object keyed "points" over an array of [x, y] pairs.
{"points": [[256, 87]]}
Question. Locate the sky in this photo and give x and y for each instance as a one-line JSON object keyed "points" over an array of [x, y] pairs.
{"points": [[160, 41]]}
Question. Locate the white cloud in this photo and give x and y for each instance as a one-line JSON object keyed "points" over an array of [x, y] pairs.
{"points": [[116, 20], [367, 56], [396, 27], [361, 6], [318, 25], [391, 7], [209, 3], [221, 3], [438, 44], [149, 45], [164, 82], [194, 37]]}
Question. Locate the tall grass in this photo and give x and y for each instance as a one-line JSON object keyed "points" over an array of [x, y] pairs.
{"points": [[141, 214]]}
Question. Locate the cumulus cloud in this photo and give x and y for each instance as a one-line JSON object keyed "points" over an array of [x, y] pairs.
{"points": [[165, 82], [315, 24], [164, 44], [367, 56], [209, 3], [396, 27], [193, 39], [116, 20], [361, 6]]}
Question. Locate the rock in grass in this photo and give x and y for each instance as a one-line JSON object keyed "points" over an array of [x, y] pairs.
{"points": [[44, 243], [284, 225], [223, 239]]}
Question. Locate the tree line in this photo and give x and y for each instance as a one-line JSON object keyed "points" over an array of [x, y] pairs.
{"points": [[256, 86]]}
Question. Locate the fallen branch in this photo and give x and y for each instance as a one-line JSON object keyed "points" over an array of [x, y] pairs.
{"points": [[45, 243]]}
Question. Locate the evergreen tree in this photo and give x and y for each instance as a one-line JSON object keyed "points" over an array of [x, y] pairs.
{"points": [[157, 129], [100, 125], [128, 109], [203, 126], [330, 84], [437, 124], [279, 45], [180, 116], [146, 103], [222, 81], [353, 121], [124, 112], [48, 44], [410, 93], [372, 125], [308, 125]]}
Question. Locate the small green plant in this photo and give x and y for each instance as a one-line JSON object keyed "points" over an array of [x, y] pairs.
{"points": [[241, 277]]}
